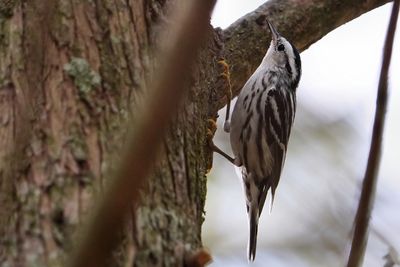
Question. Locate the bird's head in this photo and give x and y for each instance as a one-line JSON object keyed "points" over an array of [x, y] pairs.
{"points": [[282, 54]]}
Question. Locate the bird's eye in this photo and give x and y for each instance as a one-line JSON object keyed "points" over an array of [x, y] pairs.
{"points": [[281, 47]]}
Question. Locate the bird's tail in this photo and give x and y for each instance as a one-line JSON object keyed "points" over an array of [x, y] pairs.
{"points": [[253, 223]]}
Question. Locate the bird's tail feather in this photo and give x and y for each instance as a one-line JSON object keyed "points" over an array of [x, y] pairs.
{"points": [[253, 217]]}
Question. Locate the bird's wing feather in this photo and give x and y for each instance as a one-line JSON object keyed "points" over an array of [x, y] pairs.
{"points": [[278, 113]]}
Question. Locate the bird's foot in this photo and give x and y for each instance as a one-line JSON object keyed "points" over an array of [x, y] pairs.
{"points": [[212, 127]]}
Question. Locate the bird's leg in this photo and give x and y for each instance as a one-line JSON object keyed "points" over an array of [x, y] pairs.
{"points": [[228, 92], [212, 127], [222, 153]]}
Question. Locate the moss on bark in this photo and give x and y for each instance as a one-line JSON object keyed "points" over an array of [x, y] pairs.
{"points": [[78, 69]]}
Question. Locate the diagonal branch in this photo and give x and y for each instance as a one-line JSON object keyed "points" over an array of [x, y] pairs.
{"points": [[367, 198], [167, 91], [302, 22]]}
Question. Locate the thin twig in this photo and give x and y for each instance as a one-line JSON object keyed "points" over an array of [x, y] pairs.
{"points": [[367, 198], [167, 91]]}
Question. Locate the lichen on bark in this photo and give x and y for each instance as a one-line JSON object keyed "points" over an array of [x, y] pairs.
{"points": [[54, 51]]}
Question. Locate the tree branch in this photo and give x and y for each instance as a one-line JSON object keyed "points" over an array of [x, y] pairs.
{"points": [[166, 93], [370, 179], [302, 22]]}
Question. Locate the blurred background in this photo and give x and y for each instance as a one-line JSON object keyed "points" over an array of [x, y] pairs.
{"points": [[316, 200]]}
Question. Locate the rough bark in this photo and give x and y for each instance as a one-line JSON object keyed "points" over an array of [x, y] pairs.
{"points": [[71, 74]]}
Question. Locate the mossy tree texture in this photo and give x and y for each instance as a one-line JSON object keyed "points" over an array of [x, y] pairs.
{"points": [[71, 75]]}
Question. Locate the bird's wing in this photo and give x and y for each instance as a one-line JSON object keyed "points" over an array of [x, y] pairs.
{"points": [[279, 113]]}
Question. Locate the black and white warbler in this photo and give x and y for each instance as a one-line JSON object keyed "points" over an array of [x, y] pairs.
{"points": [[260, 127]]}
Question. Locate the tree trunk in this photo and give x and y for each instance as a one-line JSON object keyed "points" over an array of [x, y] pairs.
{"points": [[71, 74]]}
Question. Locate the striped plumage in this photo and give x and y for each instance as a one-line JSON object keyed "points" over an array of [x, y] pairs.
{"points": [[261, 124]]}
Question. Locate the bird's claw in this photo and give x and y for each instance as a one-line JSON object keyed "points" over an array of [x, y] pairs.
{"points": [[227, 126], [211, 128]]}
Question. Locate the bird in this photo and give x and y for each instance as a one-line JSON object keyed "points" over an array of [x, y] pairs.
{"points": [[260, 126]]}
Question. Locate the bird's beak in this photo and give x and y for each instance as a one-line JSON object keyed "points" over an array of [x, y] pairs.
{"points": [[274, 32]]}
